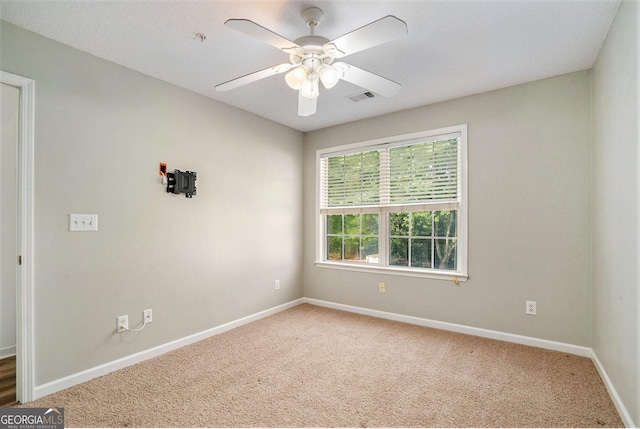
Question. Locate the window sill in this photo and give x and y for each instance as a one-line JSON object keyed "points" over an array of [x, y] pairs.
{"points": [[395, 271]]}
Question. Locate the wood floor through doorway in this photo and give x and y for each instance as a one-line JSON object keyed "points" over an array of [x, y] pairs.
{"points": [[7, 381]]}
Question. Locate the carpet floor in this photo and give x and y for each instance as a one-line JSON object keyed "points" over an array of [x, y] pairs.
{"points": [[310, 366]]}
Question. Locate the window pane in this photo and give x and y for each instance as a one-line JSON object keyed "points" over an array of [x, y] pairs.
{"points": [[399, 224], [352, 249], [421, 224], [334, 248], [334, 224], [353, 179], [445, 223], [370, 177], [352, 224], [347, 241], [445, 254], [370, 224], [399, 249], [421, 253], [370, 250], [424, 171]]}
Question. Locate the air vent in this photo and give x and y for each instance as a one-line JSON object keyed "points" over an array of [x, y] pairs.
{"points": [[361, 97]]}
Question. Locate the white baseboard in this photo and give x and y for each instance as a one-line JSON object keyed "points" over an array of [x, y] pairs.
{"points": [[86, 375], [463, 329], [622, 410], [8, 351]]}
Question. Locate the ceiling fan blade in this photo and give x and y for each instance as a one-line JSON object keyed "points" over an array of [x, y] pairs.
{"points": [[257, 31], [378, 32], [252, 77], [306, 106], [367, 80]]}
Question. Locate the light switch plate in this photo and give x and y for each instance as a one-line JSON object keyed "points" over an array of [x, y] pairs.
{"points": [[83, 222]]}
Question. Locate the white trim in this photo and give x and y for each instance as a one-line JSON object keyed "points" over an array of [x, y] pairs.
{"points": [[8, 351], [463, 329], [24, 296], [463, 220], [395, 141], [385, 140], [394, 271], [100, 370], [391, 208], [615, 398]]}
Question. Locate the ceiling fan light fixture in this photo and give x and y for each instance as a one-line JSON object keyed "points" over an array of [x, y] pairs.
{"points": [[329, 75], [310, 87], [312, 58], [296, 77]]}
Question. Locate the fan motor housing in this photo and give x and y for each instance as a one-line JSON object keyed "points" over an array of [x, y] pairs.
{"points": [[309, 43]]}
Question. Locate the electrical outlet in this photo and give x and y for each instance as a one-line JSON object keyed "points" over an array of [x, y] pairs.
{"points": [[147, 316], [531, 308], [382, 287], [277, 286], [122, 323]]}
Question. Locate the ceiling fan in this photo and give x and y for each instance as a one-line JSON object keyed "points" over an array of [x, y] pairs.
{"points": [[312, 58]]}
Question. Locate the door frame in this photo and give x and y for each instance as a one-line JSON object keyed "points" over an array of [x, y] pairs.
{"points": [[25, 296]]}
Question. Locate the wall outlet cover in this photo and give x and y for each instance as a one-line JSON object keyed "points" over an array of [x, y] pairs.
{"points": [[531, 308], [122, 323]]}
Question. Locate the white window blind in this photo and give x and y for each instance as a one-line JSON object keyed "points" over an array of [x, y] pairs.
{"points": [[412, 175], [351, 179]]}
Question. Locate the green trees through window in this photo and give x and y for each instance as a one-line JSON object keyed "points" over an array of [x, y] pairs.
{"points": [[352, 237], [423, 239]]}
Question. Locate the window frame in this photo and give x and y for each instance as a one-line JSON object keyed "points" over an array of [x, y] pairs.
{"points": [[460, 273]]}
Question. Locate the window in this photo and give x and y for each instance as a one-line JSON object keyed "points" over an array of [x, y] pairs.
{"points": [[396, 204], [352, 237]]}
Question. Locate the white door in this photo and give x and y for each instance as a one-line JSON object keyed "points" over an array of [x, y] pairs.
{"points": [[9, 117]]}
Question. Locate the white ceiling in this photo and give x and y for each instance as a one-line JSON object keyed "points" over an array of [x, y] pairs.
{"points": [[453, 49]]}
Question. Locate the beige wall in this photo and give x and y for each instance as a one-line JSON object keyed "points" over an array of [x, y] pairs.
{"points": [[529, 214], [101, 131], [616, 198]]}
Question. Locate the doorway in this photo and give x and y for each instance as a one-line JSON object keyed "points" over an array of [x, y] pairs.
{"points": [[9, 115], [16, 223]]}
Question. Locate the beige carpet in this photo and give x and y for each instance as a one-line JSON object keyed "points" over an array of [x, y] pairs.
{"points": [[315, 367]]}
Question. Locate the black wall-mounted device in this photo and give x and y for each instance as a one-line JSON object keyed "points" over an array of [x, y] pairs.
{"points": [[182, 182]]}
